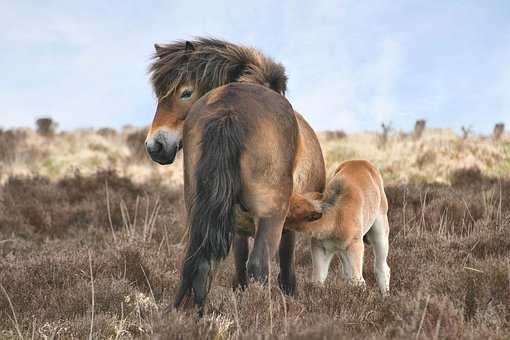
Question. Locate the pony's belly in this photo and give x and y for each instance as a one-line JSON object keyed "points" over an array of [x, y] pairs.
{"points": [[244, 224]]}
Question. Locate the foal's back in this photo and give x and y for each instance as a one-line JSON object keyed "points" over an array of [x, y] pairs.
{"points": [[363, 192]]}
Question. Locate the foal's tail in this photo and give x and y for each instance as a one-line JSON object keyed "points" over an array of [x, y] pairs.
{"points": [[218, 185]]}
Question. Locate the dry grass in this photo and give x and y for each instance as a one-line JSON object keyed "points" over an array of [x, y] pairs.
{"points": [[24, 152], [403, 158], [450, 246], [432, 158]]}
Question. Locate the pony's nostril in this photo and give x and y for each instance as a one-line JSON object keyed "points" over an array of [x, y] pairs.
{"points": [[154, 147], [158, 147]]}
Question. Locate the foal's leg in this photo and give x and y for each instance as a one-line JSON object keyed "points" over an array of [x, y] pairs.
{"points": [[267, 239], [321, 259], [352, 261], [287, 276], [378, 237], [241, 251]]}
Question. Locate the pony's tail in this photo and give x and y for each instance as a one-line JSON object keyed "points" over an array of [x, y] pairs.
{"points": [[218, 185]]}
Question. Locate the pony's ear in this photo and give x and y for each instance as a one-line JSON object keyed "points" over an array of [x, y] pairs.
{"points": [[158, 48], [189, 46]]}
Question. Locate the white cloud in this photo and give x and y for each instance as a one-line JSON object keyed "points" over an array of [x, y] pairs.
{"points": [[385, 73]]}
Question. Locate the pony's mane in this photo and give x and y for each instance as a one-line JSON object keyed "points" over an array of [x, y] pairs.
{"points": [[210, 63]]}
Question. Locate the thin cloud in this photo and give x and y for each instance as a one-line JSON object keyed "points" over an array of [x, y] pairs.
{"points": [[351, 64]]}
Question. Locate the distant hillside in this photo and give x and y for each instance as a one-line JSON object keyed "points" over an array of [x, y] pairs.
{"points": [[401, 157], [431, 158]]}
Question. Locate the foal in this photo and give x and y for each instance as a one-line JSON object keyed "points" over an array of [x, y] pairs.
{"points": [[353, 209]]}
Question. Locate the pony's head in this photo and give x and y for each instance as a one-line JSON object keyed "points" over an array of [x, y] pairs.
{"points": [[184, 71]]}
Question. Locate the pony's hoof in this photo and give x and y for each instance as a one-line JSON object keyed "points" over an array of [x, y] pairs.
{"points": [[287, 284], [257, 272], [241, 284]]}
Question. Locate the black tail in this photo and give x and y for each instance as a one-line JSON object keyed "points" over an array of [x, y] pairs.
{"points": [[218, 184]]}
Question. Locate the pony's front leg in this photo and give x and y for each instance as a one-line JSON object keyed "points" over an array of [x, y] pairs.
{"points": [[241, 252], [267, 239], [287, 275]]}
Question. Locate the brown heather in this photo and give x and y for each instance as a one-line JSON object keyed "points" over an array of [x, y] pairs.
{"points": [[449, 254]]}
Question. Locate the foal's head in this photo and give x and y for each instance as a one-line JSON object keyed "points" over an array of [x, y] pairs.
{"points": [[184, 71], [305, 207]]}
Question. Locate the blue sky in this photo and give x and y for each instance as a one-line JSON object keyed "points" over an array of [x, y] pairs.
{"points": [[351, 64]]}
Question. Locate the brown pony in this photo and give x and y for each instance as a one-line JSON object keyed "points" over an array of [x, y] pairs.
{"points": [[181, 74]]}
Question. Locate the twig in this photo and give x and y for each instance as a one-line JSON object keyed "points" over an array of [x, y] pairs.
{"points": [[474, 269], [109, 212], [285, 321], [149, 284], [93, 302], [15, 321], [166, 239], [269, 290], [33, 327], [423, 317], [438, 325], [236, 315]]}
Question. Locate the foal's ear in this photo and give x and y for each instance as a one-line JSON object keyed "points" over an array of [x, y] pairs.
{"points": [[189, 46]]}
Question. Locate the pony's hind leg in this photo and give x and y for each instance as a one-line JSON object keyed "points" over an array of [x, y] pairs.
{"points": [[378, 237], [241, 251], [267, 239], [321, 259], [287, 275]]}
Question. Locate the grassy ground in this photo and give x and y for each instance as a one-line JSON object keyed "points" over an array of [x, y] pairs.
{"points": [[99, 253]]}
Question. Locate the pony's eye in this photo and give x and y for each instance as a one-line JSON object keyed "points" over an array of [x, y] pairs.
{"points": [[186, 94]]}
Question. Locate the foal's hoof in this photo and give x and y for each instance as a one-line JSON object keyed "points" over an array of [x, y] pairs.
{"points": [[358, 283]]}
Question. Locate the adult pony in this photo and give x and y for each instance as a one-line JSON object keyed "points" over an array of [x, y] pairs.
{"points": [[240, 145], [183, 72]]}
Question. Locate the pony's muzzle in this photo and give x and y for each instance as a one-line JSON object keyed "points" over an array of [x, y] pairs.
{"points": [[163, 146]]}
